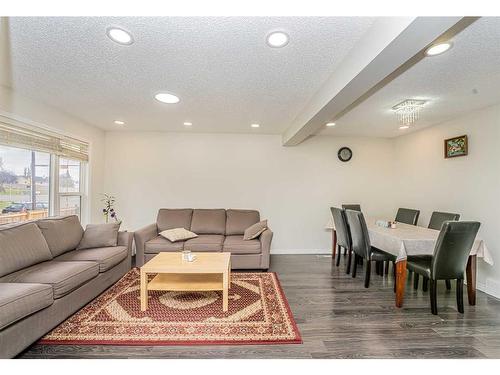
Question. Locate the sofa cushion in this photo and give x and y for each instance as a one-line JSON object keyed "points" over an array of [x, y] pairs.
{"points": [[100, 235], [255, 230], [22, 245], [170, 218], [178, 234], [63, 276], [237, 245], [160, 244], [211, 221], [61, 233], [205, 242], [239, 220], [106, 257], [18, 300]]}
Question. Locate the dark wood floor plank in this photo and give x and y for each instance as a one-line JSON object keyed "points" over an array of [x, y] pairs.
{"points": [[339, 318]]}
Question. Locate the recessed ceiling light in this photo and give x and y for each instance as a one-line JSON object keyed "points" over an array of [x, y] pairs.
{"points": [[188, 123], [119, 36], [167, 98], [255, 126], [403, 127], [330, 124], [119, 122], [277, 39], [438, 49]]}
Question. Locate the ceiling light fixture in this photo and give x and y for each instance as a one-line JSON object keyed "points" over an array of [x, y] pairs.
{"points": [[119, 122], [167, 98], [119, 36], [408, 111], [255, 126], [330, 124], [188, 123], [403, 127], [277, 39], [438, 49]]}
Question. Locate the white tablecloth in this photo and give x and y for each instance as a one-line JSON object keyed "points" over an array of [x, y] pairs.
{"points": [[408, 239]]}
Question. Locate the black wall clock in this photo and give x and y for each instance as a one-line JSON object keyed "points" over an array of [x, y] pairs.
{"points": [[345, 154]]}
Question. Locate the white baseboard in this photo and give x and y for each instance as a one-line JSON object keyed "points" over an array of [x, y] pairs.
{"points": [[491, 288], [301, 251]]}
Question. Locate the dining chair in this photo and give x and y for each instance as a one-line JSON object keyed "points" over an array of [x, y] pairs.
{"points": [[438, 218], [360, 242], [449, 260], [407, 216], [355, 207], [436, 221], [343, 235]]}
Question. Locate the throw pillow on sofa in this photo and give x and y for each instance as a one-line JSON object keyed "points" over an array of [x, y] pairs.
{"points": [[255, 230], [178, 234], [99, 235]]}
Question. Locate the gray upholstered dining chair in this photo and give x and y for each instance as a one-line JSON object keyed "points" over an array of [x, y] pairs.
{"points": [[407, 216], [436, 221], [355, 207], [361, 245], [438, 218], [343, 235], [449, 260]]}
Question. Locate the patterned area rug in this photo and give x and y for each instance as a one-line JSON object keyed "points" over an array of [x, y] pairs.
{"points": [[258, 314]]}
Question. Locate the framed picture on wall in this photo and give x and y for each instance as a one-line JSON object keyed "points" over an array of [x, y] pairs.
{"points": [[456, 146]]}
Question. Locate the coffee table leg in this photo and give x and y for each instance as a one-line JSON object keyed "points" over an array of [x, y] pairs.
{"points": [[144, 290], [225, 291]]}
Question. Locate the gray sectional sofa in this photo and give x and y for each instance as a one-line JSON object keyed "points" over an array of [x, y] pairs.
{"points": [[218, 230], [44, 280]]}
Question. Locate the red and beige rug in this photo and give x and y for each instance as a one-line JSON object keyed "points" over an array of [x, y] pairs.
{"points": [[258, 314]]}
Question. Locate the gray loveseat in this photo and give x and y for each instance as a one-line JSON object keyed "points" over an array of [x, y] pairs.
{"points": [[218, 230], [44, 280]]}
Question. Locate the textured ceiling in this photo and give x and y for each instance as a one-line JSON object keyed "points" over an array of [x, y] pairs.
{"points": [[465, 78], [221, 68]]}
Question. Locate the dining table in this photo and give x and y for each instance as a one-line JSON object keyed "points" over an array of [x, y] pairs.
{"points": [[407, 240]]}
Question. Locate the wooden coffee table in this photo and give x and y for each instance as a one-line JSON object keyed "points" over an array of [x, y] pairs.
{"points": [[209, 271]]}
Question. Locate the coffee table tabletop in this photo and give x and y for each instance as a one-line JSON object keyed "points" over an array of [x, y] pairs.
{"points": [[209, 271]]}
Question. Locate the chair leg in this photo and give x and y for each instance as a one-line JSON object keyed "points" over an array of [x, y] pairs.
{"points": [[348, 268], [354, 265], [377, 268], [339, 250], [460, 295], [367, 273], [448, 285], [425, 284], [386, 270], [433, 296], [415, 281]]}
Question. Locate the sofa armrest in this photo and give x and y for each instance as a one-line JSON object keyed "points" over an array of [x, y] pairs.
{"points": [[265, 244], [142, 236], [125, 239]]}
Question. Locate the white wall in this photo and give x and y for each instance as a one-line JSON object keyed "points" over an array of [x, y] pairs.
{"points": [[467, 185], [19, 106], [292, 187]]}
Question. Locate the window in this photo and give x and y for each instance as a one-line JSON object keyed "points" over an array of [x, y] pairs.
{"points": [[24, 184], [41, 174], [70, 182]]}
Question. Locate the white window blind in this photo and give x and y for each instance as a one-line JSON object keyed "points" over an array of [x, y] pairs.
{"points": [[18, 134]]}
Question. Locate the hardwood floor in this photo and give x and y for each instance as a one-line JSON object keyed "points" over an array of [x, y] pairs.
{"points": [[339, 318]]}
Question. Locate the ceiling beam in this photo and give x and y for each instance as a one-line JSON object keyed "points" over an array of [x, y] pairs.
{"points": [[391, 46]]}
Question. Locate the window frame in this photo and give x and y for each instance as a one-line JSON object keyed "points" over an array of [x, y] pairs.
{"points": [[56, 194]]}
